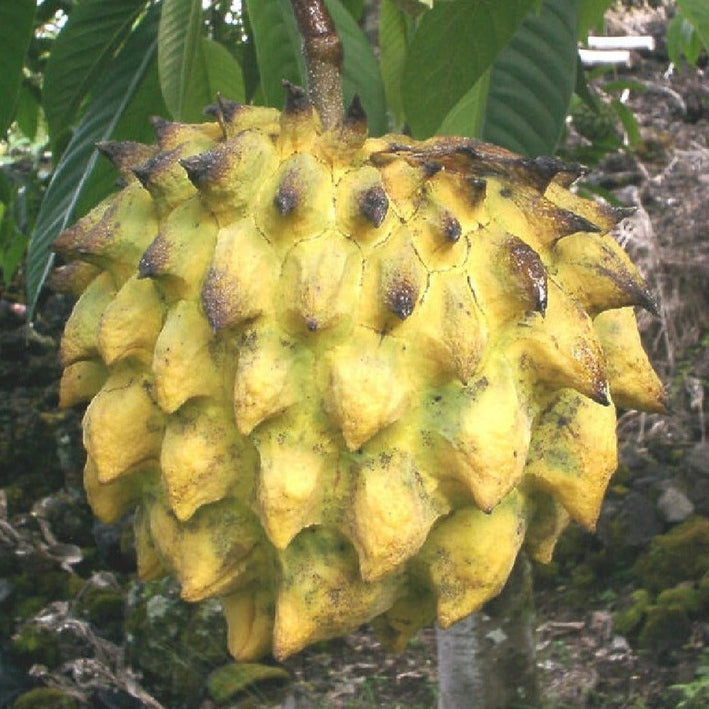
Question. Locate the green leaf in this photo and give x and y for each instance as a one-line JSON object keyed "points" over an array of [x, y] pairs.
{"points": [[394, 27], [103, 114], [180, 60], [81, 54], [682, 41], [13, 245], [467, 117], [224, 75], [360, 73], [6, 188], [697, 12], [591, 14], [16, 22], [277, 47], [27, 114], [454, 44], [355, 8], [533, 80], [629, 121]]}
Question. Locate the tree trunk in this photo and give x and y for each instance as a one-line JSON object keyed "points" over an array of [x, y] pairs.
{"points": [[487, 660]]}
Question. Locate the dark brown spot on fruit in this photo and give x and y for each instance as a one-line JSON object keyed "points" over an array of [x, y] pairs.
{"points": [[214, 301], [451, 227], [401, 297], [288, 194], [374, 204]]}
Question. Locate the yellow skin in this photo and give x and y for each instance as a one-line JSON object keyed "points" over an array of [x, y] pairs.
{"points": [[345, 379]]}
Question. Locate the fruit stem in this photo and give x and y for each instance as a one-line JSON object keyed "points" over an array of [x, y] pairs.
{"points": [[323, 54]]}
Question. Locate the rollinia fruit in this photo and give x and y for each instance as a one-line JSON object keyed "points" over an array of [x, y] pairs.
{"points": [[344, 379]]}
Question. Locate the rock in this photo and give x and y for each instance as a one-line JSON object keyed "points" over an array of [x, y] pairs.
{"points": [[628, 521], [674, 506], [695, 473]]}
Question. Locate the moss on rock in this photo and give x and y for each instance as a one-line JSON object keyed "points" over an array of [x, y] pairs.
{"points": [[682, 554], [628, 620], [666, 628], [45, 698]]}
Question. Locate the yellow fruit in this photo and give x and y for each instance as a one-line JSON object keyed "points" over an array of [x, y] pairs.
{"points": [[341, 379]]}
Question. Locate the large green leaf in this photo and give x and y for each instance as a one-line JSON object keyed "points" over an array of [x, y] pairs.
{"points": [[183, 71], [360, 73], [394, 27], [224, 75], [107, 106], [278, 47], [591, 14], [533, 80], [16, 19], [697, 12], [79, 58], [454, 44], [467, 117]]}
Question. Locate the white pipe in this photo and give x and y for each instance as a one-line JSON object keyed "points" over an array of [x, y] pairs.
{"points": [[626, 42], [598, 57]]}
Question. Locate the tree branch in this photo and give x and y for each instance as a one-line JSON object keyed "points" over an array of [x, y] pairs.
{"points": [[323, 57]]}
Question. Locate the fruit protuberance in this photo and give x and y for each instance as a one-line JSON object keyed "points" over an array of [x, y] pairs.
{"points": [[345, 379]]}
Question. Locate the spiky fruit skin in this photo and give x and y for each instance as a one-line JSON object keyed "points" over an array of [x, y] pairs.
{"points": [[343, 379]]}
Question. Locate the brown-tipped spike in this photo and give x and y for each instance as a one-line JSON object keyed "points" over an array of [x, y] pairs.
{"points": [[570, 223], [146, 171], [649, 302], [223, 110], [297, 100], [228, 109], [154, 258], [72, 278], [551, 168], [620, 213], [602, 394], [125, 154], [355, 114], [374, 204], [160, 126], [529, 267], [199, 167]]}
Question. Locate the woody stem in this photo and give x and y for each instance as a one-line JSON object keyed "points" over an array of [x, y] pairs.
{"points": [[323, 58]]}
